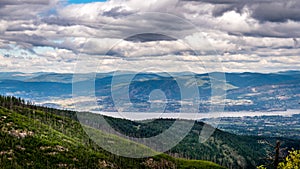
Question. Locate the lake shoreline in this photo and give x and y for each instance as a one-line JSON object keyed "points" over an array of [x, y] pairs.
{"points": [[138, 116]]}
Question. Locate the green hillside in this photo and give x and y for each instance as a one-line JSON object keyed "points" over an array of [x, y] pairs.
{"points": [[223, 148], [39, 137]]}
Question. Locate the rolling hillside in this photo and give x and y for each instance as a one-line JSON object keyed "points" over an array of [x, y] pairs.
{"points": [[38, 137], [46, 137], [226, 149]]}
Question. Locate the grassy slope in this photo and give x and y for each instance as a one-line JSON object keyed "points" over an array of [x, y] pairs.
{"points": [[52, 141]]}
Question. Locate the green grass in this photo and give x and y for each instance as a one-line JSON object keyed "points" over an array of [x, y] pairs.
{"points": [[185, 164]]}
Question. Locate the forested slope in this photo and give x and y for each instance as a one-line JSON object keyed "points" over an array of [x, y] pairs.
{"points": [[39, 137]]}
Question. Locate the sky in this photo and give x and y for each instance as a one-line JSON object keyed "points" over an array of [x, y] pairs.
{"points": [[134, 35], [84, 1]]}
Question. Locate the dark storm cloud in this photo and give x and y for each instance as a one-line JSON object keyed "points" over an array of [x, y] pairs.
{"points": [[230, 2], [260, 33], [33, 40], [296, 43], [117, 12], [148, 37], [23, 9], [21, 26], [277, 11], [23, 2], [67, 22], [29, 41], [262, 10]]}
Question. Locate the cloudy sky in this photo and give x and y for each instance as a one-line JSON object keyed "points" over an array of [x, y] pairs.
{"points": [[165, 35]]}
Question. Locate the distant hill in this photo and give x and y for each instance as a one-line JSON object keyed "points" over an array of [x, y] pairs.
{"points": [[244, 91]]}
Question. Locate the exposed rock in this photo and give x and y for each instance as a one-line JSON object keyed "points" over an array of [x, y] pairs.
{"points": [[45, 147], [20, 134], [105, 164], [61, 148], [10, 152], [52, 153], [20, 147], [62, 165]]}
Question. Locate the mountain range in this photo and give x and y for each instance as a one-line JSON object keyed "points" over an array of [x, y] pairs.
{"points": [[244, 91]]}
